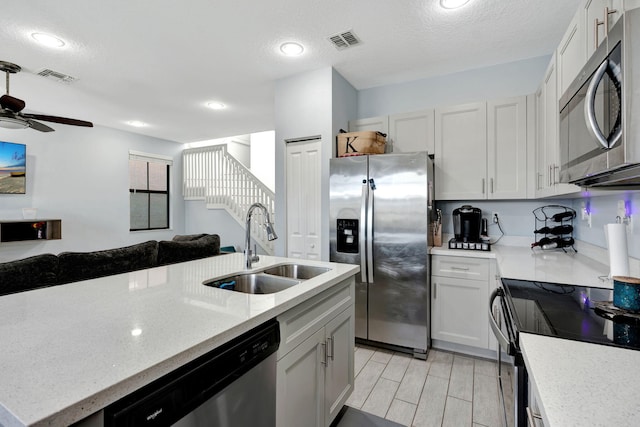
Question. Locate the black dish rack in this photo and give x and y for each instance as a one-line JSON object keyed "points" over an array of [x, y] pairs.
{"points": [[554, 228]]}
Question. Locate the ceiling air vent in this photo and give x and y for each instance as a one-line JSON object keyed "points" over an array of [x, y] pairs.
{"points": [[54, 75], [344, 40]]}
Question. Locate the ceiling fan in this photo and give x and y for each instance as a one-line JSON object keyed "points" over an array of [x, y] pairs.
{"points": [[11, 115]]}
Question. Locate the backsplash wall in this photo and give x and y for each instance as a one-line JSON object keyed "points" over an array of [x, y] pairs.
{"points": [[517, 220], [604, 210]]}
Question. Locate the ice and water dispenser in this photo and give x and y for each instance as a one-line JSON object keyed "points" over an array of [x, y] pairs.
{"points": [[347, 239]]}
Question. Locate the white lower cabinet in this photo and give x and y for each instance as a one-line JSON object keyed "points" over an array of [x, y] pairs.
{"points": [[534, 417], [300, 384], [315, 373], [460, 289]]}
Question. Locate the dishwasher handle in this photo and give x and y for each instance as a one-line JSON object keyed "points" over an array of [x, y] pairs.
{"points": [[503, 341]]}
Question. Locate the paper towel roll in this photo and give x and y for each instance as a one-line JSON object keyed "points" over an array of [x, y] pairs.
{"points": [[618, 253]]}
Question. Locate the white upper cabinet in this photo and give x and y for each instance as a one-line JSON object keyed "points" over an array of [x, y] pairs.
{"points": [[596, 23], [507, 148], [412, 132], [406, 133], [461, 147], [572, 52], [481, 150], [629, 4], [377, 124], [547, 170]]}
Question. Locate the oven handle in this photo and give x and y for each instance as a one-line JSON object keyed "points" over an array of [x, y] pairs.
{"points": [[502, 340], [590, 113]]}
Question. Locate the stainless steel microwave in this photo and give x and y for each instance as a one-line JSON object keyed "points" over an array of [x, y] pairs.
{"points": [[600, 113]]}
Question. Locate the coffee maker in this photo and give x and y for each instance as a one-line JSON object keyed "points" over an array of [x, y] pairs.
{"points": [[467, 223]]}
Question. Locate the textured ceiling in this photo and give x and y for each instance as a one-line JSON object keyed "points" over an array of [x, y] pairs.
{"points": [[160, 61]]}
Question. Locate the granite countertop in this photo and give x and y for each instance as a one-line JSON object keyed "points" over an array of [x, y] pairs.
{"points": [[582, 384], [70, 350], [577, 383]]}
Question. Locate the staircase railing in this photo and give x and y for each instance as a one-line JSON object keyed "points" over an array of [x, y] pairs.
{"points": [[213, 175]]}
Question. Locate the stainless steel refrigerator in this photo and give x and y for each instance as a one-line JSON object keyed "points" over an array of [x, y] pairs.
{"points": [[380, 210]]}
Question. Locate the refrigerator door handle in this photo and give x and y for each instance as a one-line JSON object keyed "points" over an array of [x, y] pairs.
{"points": [[370, 233], [363, 229]]}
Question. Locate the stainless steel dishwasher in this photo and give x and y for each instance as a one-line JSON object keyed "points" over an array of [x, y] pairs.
{"points": [[233, 385]]}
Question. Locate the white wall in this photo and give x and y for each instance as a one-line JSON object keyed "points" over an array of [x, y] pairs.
{"points": [[604, 209], [499, 81], [263, 153], [81, 175], [199, 219], [313, 103]]}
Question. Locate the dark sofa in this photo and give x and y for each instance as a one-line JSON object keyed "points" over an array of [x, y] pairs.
{"points": [[49, 270]]}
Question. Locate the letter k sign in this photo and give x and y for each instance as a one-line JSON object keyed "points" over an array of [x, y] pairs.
{"points": [[349, 146]]}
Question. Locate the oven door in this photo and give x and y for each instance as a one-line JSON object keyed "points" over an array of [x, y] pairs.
{"points": [[591, 119], [511, 371]]}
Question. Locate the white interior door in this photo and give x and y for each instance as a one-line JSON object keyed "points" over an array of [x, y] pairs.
{"points": [[303, 199]]}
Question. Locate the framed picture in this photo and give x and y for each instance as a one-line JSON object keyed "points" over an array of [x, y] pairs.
{"points": [[13, 168]]}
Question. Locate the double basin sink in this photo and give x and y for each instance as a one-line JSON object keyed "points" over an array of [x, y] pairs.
{"points": [[268, 281]]}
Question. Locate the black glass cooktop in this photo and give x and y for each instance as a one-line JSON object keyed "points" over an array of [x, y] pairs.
{"points": [[572, 312]]}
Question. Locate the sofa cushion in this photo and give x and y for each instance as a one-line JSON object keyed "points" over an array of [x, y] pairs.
{"points": [[171, 251], [29, 273], [187, 237], [75, 266]]}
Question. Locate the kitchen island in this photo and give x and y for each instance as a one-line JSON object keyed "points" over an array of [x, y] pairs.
{"points": [[68, 351]]}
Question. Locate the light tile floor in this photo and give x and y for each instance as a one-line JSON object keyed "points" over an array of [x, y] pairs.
{"points": [[445, 390]]}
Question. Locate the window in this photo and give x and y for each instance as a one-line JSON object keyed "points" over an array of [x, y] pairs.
{"points": [[148, 191]]}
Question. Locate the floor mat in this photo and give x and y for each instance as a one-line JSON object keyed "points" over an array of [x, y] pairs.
{"points": [[351, 417]]}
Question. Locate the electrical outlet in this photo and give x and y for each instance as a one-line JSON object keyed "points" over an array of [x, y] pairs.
{"points": [[494, 217]]}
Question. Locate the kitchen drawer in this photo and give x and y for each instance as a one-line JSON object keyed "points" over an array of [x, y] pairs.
{"points": [[460, 267], [302, 321]]}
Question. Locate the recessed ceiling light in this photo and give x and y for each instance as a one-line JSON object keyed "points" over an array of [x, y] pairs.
{"points": [[453, 4], [215, 105], [48, 40], [291, 48], [136, 123]]}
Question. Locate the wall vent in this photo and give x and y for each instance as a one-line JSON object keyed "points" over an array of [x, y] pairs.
{"points": [[54, 75], [344, 40]]}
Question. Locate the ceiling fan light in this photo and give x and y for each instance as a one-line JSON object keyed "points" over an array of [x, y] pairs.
{"points": [[48, 40], [291, 49], [453, 4]]}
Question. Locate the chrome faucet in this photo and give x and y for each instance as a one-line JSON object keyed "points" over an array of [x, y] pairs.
{"points": [[249, 258]]}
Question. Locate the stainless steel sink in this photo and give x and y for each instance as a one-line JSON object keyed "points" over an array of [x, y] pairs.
{"points": [[253, 283], [296, 271]]}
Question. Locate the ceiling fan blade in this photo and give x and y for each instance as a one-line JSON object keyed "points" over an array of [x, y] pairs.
{"points": [[39, 126], [11, 103], [61, 120]]}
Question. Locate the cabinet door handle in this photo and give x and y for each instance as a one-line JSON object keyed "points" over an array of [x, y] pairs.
{"points": [[607, 12], [324, 353], [435, 290], [596, 24], [491, 181], [482, 185], [556, 174], [453, 267], [531, 416], [549, 175], [330, 347]]}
